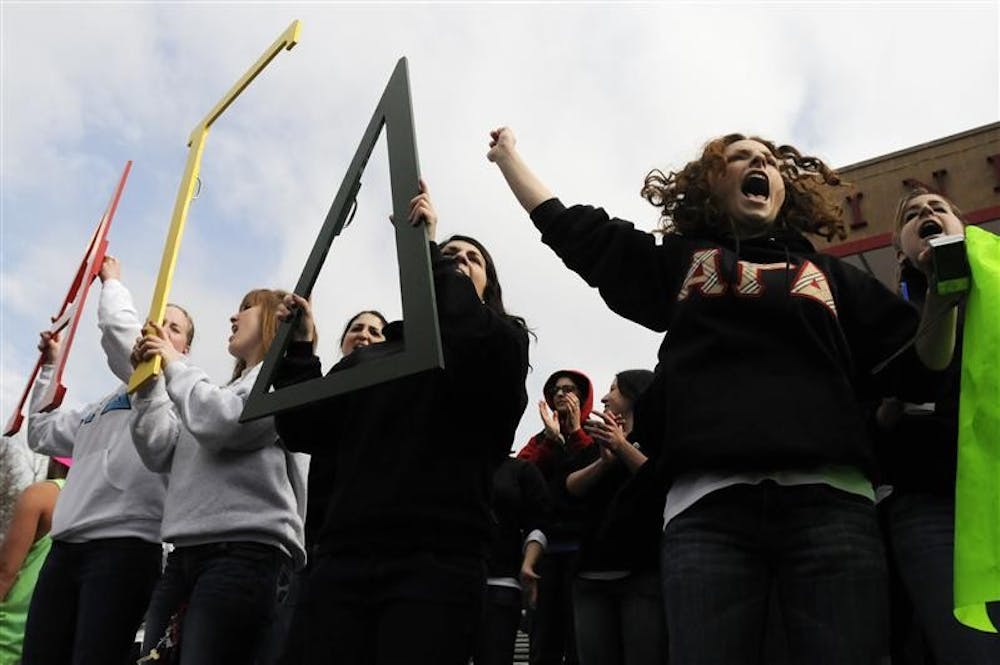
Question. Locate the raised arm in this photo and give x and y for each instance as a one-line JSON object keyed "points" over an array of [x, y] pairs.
{"points": [[117, 319], [939, 320], [529, 190], [52, 433]]}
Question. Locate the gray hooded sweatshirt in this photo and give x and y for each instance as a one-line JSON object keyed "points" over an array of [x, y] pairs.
{"points": [[229, 481], [109, 493]]}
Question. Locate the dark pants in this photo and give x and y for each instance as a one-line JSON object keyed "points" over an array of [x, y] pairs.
{"points": [[620, 622], [819, 546], [399, 609], [89, 601], [286, 643], [229, 592], [552, 637], [921, 528], [498, 628]]}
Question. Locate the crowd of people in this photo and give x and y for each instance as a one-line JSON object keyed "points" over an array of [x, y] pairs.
{"points": [[733, 480]]}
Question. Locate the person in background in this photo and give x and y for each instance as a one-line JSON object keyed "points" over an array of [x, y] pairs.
{"points": [[288, 639], [568, 399], [520, 509], [25, 545], [617, 603]]}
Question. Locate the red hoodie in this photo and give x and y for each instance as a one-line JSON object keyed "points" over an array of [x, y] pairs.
{"points": [[542, 450]]}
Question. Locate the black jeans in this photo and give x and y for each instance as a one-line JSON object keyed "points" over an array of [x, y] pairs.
{"points": [[922, 530], [229, 592], [393, 609], [553, 640], [819, 547], [620, 622], [497, 630], [89, 601]]}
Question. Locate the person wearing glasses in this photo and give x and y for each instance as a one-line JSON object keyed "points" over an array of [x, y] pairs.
{"points": [[569, 398]]}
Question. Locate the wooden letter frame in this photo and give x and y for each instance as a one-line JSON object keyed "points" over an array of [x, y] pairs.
{"points": [[422, 336], [196, 146], [71, 309]]}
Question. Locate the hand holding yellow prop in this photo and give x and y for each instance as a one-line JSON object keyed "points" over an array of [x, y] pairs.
{"points": [[196, 145]]}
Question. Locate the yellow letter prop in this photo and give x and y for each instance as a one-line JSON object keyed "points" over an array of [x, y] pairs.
{"points": [[196, 146]]}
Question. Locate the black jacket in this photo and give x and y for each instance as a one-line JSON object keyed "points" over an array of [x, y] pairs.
{"points": [[520, 505], [770, 344], [411, 460]]}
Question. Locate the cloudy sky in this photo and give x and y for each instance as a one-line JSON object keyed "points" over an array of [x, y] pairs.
{"points": [[597, 93]]}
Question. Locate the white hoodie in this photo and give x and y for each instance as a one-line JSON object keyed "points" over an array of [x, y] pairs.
{"points": [[109, 493]]}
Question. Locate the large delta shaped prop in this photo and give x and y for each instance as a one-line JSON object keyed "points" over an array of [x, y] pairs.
{"points": [[422, 337], [71, 309], [149, 369]]}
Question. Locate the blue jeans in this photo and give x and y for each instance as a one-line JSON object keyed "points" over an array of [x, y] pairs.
{"points": [[821, 549], [230, 591], [89, 601], [921, 528], [620, 622]]}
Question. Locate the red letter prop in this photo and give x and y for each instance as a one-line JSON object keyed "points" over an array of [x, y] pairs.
{"points": [[72, 307]]}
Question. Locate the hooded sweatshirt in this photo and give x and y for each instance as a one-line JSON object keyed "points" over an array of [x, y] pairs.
{"points": [[411, 460], [109, 493], [229, 481], [547, 454], [555, 459], [770, 349]]}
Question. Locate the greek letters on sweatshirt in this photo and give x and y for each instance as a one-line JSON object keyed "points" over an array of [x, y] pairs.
{"points": [[109, 493], [769, 349], [228, 481]]}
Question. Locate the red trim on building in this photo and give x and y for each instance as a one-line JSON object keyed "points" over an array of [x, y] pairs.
{"points": [[881, 240]]}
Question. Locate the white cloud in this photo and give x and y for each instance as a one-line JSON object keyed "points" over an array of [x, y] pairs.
{"points": [[598, 94]]}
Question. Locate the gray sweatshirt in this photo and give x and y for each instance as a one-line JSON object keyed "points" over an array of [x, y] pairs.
{"points": [[109, 493], [228, 481]]}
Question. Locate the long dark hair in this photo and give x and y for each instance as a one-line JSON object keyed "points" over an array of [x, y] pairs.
{"points": [[493, 293]]}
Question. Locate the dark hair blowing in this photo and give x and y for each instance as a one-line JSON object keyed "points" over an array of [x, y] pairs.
{"points": [[689, 206]]}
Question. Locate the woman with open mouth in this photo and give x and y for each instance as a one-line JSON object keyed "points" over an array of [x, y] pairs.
{"points": [[235, 498], [918, 455], [754, 418]]}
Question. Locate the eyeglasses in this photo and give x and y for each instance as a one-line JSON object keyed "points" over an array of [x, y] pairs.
{"points": [[564, 389]]}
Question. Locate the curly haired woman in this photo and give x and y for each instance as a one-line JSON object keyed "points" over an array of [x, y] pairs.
{"points": [[754, 416]]}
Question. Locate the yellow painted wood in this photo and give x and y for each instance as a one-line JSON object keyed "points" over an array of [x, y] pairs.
{"points": [[196, 147]]}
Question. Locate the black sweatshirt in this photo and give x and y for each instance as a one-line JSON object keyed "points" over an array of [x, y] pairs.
{"points": [[770, 345], [412, 460], [920, 453], [520, 505]]}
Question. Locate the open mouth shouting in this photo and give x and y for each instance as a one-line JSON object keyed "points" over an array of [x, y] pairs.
{"points": [[756, 186], [930, 228]]}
